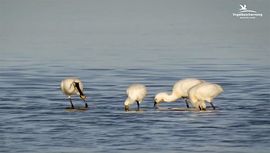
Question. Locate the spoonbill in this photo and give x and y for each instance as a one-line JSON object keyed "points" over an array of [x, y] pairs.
{"points": [[179, 90], [204, 92], [73, 86], [135, 93]]}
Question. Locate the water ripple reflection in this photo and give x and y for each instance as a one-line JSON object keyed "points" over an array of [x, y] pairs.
{"points": [[34, 118]]}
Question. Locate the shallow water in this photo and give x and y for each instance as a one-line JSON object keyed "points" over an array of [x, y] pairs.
{"points": [[34, 118]]}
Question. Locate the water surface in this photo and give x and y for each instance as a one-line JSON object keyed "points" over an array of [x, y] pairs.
{"points": [[34, 118]]}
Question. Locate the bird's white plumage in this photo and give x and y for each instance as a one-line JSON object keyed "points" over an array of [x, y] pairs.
{"points": [[204, 92], [179, 90], [135, 92], [68, 88]]}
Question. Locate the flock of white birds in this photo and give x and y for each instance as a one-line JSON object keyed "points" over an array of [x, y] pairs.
{"points": [[194, 91]]}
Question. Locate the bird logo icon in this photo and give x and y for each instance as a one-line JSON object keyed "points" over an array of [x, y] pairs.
{"points": [[244, 9]]}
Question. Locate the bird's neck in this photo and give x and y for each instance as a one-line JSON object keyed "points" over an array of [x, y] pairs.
{"points": [[170, 98], [128, 101]]}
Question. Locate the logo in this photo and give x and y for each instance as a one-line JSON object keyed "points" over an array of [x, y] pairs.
{"points": [[245, 13]]}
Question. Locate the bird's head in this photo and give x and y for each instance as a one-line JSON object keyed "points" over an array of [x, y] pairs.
{"points": [[127, 102], [126, 107], [160, 97]]}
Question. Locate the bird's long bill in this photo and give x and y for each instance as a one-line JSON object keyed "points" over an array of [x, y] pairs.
{"points": [[155, 104], [77, 86], [126, 108]]}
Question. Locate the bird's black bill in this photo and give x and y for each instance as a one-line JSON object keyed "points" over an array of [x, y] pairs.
{"points": [[155, 105], [126, 108], [82, 96], [77, 85]]}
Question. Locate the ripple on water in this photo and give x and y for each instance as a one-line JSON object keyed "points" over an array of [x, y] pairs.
{"points": [[34, 118]]}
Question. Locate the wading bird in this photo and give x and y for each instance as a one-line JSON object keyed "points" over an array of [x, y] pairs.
{"points": [[204, 92], [73, 86], [179, 90], [135, 93]]}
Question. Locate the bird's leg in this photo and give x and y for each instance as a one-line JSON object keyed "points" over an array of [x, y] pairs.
{"points": [[213, 105], [72, 106], [200, 108], [86, 105], [186, 100], [84, 100], [138, 105]]}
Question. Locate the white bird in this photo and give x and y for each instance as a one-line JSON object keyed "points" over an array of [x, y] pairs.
{"points": [[204, 92], [135, 93], [179, 90], [73, 86]]}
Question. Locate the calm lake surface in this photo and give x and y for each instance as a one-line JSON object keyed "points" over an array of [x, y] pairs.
{"points": [[34, 117]]}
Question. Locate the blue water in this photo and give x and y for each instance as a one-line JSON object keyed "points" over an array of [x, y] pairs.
{"points": [[34, 118]]}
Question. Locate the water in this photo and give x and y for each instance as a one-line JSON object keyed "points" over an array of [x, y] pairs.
{"points": [[34, 118]]}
